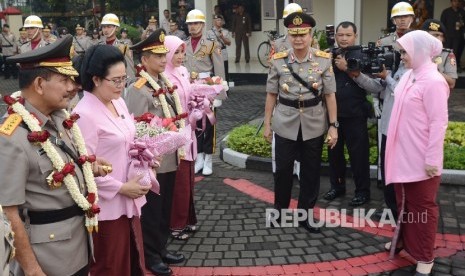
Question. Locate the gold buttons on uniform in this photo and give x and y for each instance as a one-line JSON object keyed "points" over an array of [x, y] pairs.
{"points": [[52, 236]]}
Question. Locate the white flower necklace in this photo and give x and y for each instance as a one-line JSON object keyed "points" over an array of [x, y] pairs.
{"points": [[164, 103], [89, 204]]}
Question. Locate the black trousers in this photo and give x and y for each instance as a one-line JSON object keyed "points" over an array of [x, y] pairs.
{"points": [[226, 71], [457, 45], [9, 69], [286, 152], [155, 219], [353, 132], [389, 193], [206, 140]]}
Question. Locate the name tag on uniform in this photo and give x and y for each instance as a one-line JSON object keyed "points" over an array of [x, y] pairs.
{"points": [[41, 152]]}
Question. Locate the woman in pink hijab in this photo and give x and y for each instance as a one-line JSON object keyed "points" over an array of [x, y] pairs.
{"points": [[183, 218], [414, 148]]}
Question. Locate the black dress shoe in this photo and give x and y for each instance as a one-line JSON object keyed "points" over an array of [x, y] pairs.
{"points": [[173, 258], [333, 193], [160, 269], [309, 228], [359, 200]]}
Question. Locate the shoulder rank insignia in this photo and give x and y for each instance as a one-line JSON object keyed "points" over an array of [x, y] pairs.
{"points": [[140, 82], [322, 54], [10, 124], [280, 55]]}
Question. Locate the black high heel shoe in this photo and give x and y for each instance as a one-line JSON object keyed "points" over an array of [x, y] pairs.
{"points": [[387, 247]]}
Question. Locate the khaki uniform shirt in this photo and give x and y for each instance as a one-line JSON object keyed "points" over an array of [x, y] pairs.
{"points": [[282, 44], [61, 248], [214, 34], [205, 59], [179, 34], [315, 68], [81, 44], [130, 68], [26, 47], [126, 41], [50, 39], [139, 101], [447, 63], [8, 42], [6, 244], [387, 40], [20, 42]]}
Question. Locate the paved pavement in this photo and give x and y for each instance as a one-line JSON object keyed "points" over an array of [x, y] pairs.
{"points": [[233, 238]]}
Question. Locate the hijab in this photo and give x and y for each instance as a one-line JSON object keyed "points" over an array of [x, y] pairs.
{"points": [[421, 47], [172, 43]]}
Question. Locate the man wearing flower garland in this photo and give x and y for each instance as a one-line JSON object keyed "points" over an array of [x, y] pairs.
{"points": [[154, 93], [48, 188], [203, 58]]}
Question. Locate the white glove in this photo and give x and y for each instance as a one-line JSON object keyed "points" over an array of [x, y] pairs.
{"points": [[376, 108], [217, 103]]}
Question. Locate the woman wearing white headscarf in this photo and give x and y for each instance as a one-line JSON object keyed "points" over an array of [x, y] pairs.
{"points": [[414, 148]]}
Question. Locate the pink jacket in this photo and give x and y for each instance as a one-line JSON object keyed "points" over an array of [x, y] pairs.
{"points": [[419, 117], [180, 76], [109, 137]]}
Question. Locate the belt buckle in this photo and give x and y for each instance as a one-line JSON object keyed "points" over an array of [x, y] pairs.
{"points": [[301, 104]]}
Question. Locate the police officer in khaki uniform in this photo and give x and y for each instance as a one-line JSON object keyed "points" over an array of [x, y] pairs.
{"points": [[33, 25], [81, 42], [7, 251], [22, 38], [174, 30], [110, 24], [297, 81], [50, 233], [203, 59], [47, 34], [124, 37], [151, 27], [446, 61], [8, 45], [222, 37], [141, 98]]}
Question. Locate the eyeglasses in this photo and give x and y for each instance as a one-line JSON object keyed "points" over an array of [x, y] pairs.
{"points": [[402, 52], [118, 81]]}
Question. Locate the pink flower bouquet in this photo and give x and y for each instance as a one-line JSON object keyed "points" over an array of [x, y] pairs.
{"points": [[203, 92], [155, 137]]}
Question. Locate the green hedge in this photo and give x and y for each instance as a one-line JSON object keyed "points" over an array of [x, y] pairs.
{"points": [[245, 139]]}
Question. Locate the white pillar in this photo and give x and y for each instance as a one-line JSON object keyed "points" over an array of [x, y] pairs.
{"points": [[206, 6], [163, 5], [348, 10]]}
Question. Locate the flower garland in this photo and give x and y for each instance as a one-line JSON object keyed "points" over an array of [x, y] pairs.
{"points": [[64, 171], [164, 104]]}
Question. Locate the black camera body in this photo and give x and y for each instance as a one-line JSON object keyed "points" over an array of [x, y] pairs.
{"points": [[371, 58]]}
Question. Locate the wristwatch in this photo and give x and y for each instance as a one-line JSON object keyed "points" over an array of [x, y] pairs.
{"points": [[334, 124]]}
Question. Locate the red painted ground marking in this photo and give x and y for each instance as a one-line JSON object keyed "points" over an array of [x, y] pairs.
{"points": [[198, 178], [446, 245]]}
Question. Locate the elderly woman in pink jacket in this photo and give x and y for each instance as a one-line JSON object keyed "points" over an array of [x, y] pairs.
{"points": [[108, 130], [414, 149], [183, 218]]}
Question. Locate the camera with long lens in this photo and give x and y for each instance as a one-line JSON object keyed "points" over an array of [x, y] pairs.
{"points": [[373, 59]]}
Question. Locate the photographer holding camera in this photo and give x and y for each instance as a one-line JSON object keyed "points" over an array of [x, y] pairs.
{"points": [[353, 110]]}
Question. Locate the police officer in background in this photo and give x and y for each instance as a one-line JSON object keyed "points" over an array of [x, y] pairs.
{"points": [[124, 37], [8, 46], [47, 34], [34, 26], [203, 59], [353, 110], [151, 27], [222, 37], [298, 80], [174, 30], [81, 42], [22, 38], [446, 61], [110, 25], [50, 231]]}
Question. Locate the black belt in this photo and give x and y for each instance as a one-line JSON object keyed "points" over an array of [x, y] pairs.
{"points": [[300, 103], [46, 217]]}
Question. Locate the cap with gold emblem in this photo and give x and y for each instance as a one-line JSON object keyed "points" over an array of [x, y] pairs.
{"points": [[154, 43], [46, 28], [79, 27], [152, 19], [22, 30], [55, 57], [173, 22], [299, 23], [433, 25]]}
